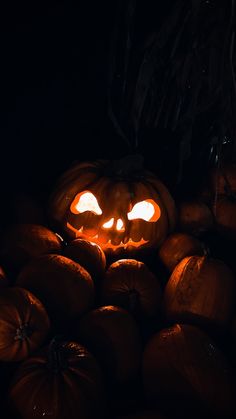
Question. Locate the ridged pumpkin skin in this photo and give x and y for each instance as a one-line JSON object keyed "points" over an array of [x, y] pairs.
{"points": [[116, 194], [60, 383], [113, 337], [200, 290], [220, 193], [87, 254], [224, 210], [183, 367], [129, 284], [177, 246], [65, 288], [220, 181], [194, 217], [24, 324], [23, 242]]}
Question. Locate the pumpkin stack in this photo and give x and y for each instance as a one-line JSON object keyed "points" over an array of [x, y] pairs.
{"points": [[119, 315], [220, 194]]}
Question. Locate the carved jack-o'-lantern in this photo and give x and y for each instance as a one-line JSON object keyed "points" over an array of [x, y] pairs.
{"points": [[118, 209]]}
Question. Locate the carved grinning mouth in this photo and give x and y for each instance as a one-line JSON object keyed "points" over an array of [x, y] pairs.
{"points": [[109, 244]]}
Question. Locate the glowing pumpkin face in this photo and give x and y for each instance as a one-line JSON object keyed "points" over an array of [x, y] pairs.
{"points": [[116, 213]]}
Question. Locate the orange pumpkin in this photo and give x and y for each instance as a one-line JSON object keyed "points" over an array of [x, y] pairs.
{"points": [[64, 287], [118, 208], [62, 381], [220, 193], [201, 291], [224, 209], [24, 324], [112, 335], [128, 283], [219, 181], [177, 246], [87, 254], [194, 217], [184, 370], [23, 242]]}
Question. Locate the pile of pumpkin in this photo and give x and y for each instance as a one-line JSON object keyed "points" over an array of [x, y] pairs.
{"points": [[85, 336]]}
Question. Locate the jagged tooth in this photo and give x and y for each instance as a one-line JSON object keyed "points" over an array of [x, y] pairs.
{"points": [[81, 230], [109, 241], [130, 240], [95, 237]]}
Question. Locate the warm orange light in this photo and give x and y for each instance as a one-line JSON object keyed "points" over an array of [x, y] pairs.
{"points": [[147, 210], [109, 223], [119, 225], [108, 245], [85, 201]]}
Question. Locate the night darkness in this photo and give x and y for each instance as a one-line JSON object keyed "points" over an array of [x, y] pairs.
{"points": [[53, 112], [54, 74], [103, 80]]}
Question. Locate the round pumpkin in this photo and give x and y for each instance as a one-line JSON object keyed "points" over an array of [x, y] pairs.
{"points": [[62, 381], [23, 242], [184, 370], [220, 181], [177, 246], [224, 209], [65, 288], [220, 191], [128, 283], [115, 204], [112, 335], [24, 324], [194, 217], [87, 254], [201, 291]]}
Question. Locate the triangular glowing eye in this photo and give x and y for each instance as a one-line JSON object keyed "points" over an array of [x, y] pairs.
{"points": [[109, 223], [147, 210], [85, 201]]}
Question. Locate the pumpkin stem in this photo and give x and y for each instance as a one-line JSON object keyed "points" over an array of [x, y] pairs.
{"points": [[128, 165], [57, 358], [23, 332]]}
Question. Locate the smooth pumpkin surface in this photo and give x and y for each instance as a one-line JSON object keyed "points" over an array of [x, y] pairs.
{"points": [[24, 324], [61, 382], [129, 283], [65, 288]]}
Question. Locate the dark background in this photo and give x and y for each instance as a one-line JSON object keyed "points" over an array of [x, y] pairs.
{"points": [[54, 76], [54, 63]]}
